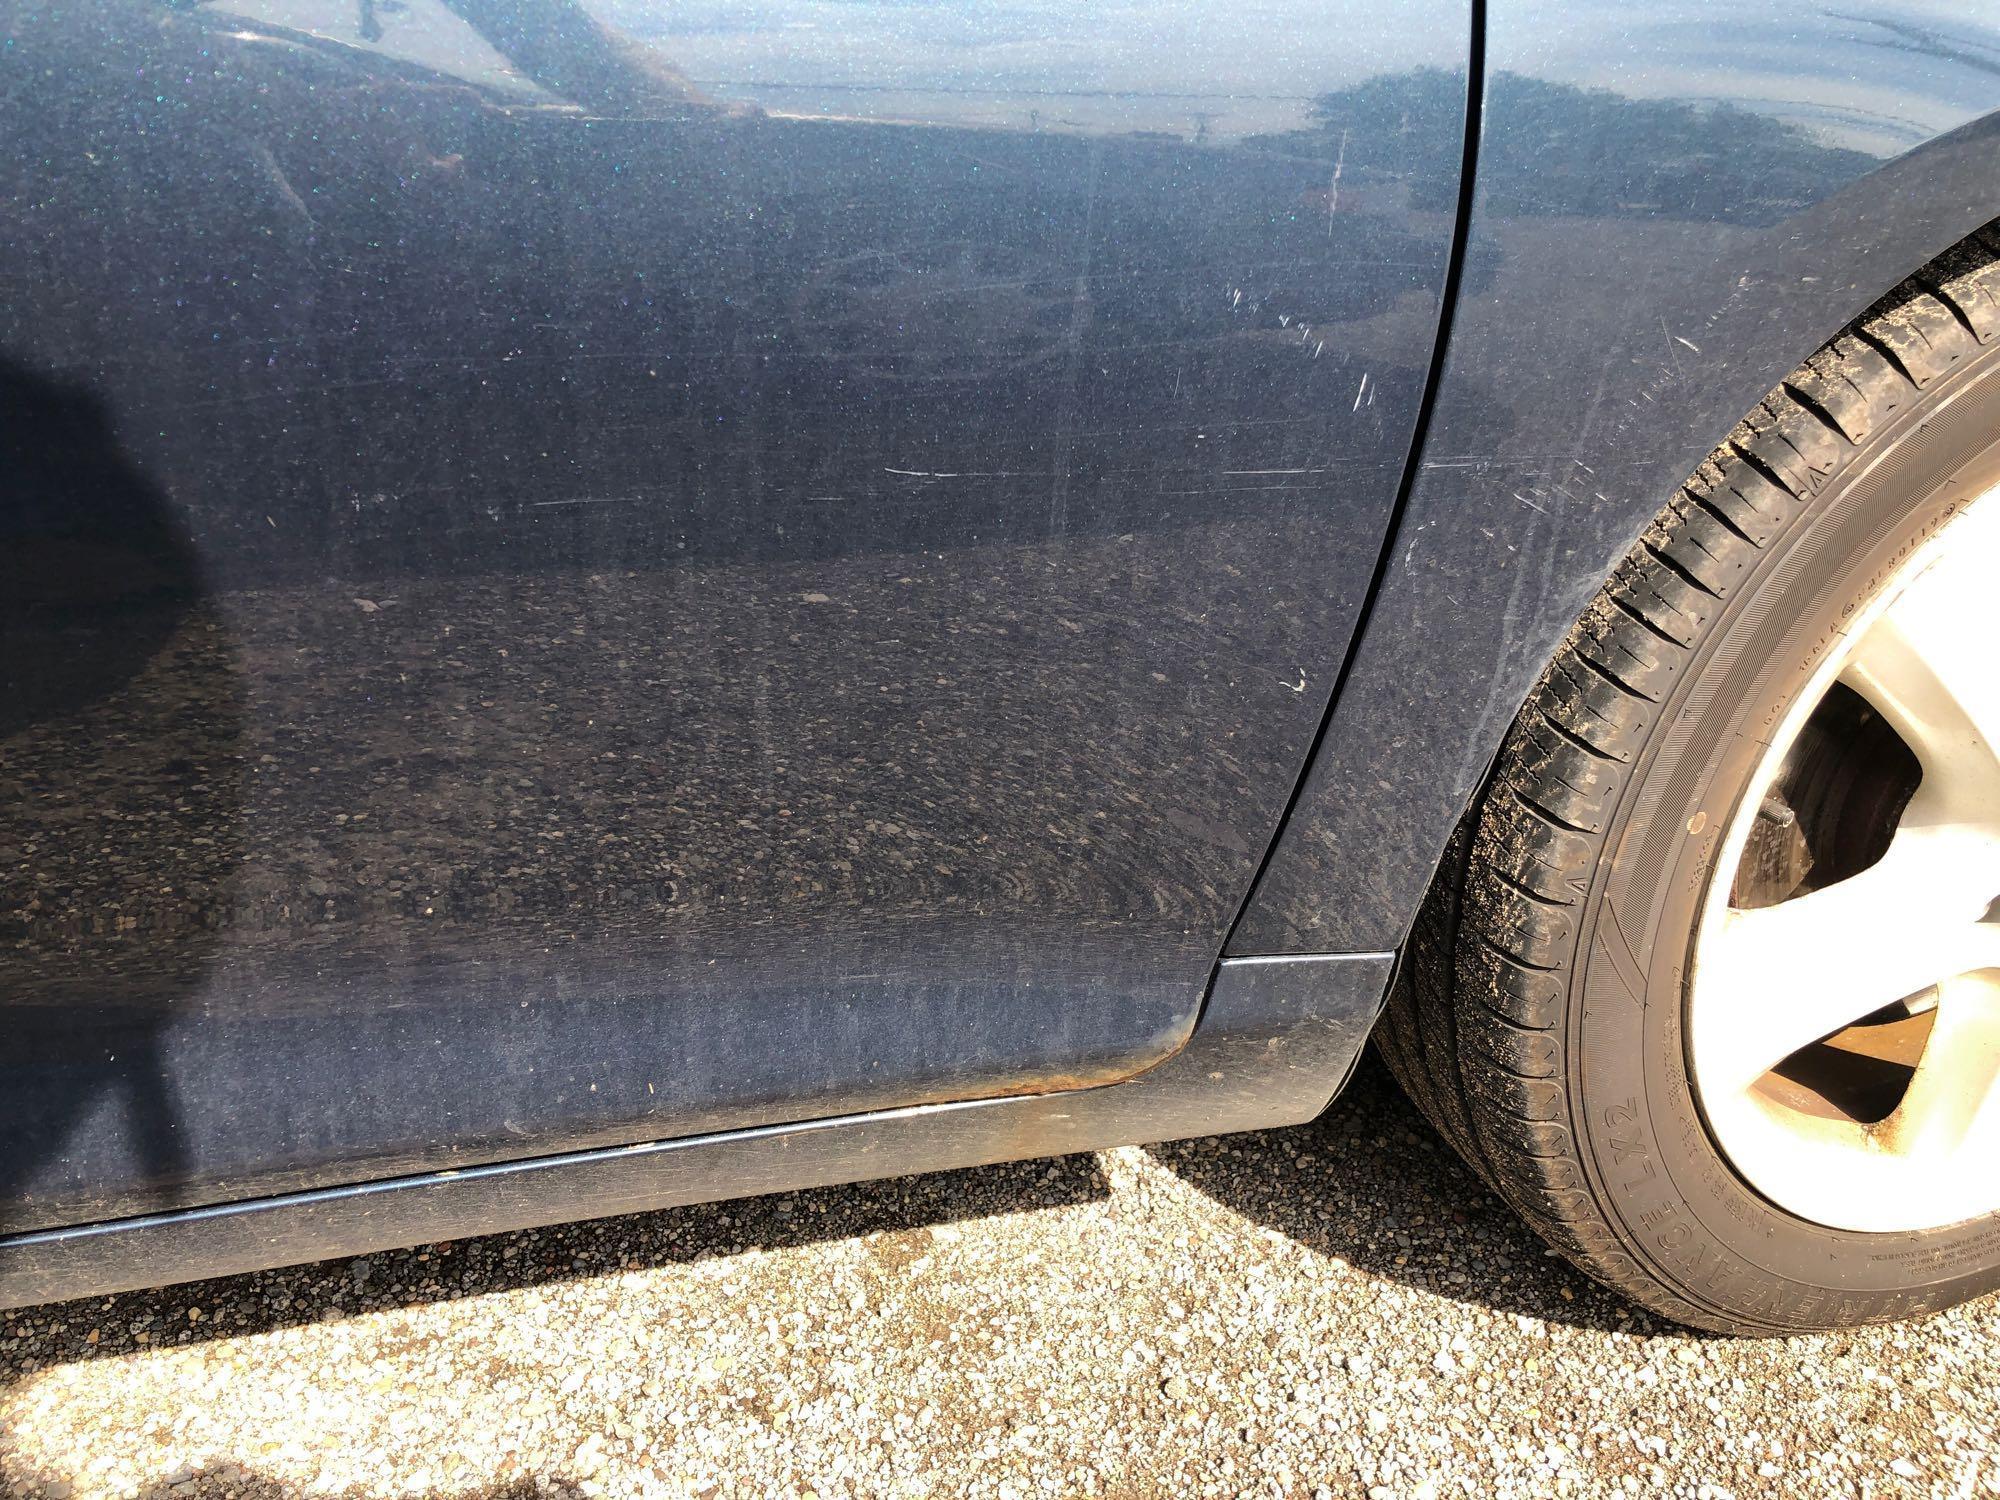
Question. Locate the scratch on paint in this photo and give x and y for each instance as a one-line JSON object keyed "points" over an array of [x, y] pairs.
{"points": [[267, 163], [1679, 340], [1333, 188], [1529, 503], [1360, 391]]}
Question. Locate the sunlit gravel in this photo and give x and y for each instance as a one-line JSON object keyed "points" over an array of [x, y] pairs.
{"points": [[1331, 1310]]}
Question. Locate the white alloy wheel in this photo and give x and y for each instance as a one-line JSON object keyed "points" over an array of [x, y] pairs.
{"points": [[1844, 1006]]}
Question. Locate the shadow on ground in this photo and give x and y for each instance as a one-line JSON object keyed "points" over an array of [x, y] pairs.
{"points": [[1371, 1184], [240, 1482], [426, 1274], [1368, 1184]]}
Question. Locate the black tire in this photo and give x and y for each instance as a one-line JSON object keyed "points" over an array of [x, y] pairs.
{"points": [[1540, 1025]]}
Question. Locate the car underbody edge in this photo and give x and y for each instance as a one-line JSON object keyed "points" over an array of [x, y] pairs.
{"points": [[1276, 1039]]}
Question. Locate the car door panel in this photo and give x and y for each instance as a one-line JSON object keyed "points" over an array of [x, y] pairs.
{"points": [[581, 576]]}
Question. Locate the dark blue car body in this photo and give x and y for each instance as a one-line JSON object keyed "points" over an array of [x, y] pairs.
{"points": [[610, 604]]}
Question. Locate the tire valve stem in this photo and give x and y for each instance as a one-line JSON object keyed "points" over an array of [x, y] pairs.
{"points": [[1776, 860], [1775, 809]]}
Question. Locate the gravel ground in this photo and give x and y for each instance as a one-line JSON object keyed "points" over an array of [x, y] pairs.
{"points": [[1331, 1310]]}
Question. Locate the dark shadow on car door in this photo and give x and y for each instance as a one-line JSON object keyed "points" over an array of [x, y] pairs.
{"points": [[704, 569]]}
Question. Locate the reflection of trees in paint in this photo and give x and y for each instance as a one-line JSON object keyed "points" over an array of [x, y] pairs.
{"points": [[573, 55], [1555, 150], [556, 44]]}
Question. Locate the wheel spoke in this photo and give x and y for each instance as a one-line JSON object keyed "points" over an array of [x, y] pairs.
{"points": [[1779, 978], [1952, 1105], [1930, 665]]}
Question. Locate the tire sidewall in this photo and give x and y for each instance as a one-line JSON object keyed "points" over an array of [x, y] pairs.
{"points": [[1681, 1208]]}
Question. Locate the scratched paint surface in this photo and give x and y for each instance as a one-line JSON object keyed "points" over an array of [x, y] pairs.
{"points": [[1678, 212], [571, 574]]}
